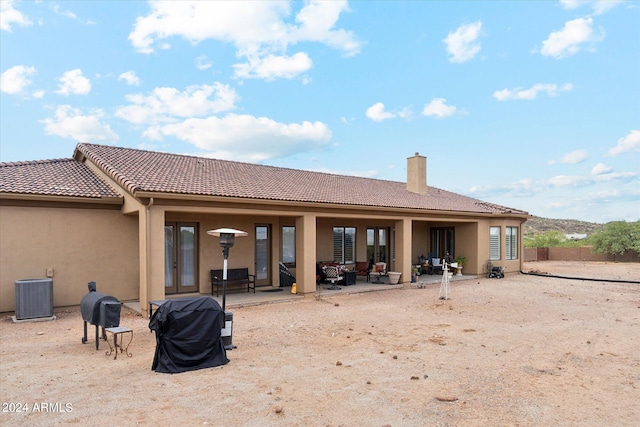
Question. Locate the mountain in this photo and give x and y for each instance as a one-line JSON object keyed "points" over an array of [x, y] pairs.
{"points": [[538, 225]]}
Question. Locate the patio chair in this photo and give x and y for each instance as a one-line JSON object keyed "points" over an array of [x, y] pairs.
{"points": [[379, 270], [436, 266], [333, 276], [363, 268]]}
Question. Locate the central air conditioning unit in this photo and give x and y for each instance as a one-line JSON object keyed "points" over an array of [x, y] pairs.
{"points": [[34, 298]]}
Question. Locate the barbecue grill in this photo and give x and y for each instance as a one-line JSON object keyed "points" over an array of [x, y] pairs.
{"points": [[100, 310]]}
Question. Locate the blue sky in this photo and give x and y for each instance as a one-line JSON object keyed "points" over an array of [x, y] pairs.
{"points": [[533, 105]]}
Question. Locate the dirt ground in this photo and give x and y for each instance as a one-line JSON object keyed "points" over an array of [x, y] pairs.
{"points": [[519, 351]]}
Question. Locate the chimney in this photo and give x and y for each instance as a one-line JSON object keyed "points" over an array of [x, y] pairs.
{"points": [[417, 174]]}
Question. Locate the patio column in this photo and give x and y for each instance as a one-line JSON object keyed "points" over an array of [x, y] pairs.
{"points": [[151, 249], [306, 253], [403, 250]]}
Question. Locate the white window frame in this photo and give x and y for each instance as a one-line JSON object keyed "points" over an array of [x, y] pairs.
{"points": [[511, 243], [341, 246], [494, 243], [288, 258]]}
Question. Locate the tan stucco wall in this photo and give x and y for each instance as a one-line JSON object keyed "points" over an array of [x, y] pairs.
{"points": [[80, 245], [510, 266]]}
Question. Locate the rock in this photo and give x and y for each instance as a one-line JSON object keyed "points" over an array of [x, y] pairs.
{"points": [[415, 377], [338, 363], [278, 409], [446, 398]]}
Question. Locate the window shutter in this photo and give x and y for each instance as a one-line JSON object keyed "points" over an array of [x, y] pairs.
{"points": [[512, 243], [494, 243], [349, 245], [337, 244]]}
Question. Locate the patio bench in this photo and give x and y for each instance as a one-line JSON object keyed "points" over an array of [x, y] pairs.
{"points": [[237, 278]]}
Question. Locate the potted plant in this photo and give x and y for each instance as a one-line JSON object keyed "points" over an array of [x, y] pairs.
{"points": [[461, 260], [415, 272]]}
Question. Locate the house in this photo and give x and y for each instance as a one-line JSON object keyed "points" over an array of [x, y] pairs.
{"points": [[575, 236], [135, 222]]}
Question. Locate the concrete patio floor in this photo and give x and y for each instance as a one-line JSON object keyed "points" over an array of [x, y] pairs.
{"points": [[270, 295]]}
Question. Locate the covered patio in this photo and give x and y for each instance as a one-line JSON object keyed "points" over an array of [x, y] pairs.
{"points": [[269, 295]]}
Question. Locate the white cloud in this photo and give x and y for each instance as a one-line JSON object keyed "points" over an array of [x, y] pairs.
{"points": [[532, 92], [317, 19], [580, 180], [248, 138], [577, 156], [463, 44], [15, 79], [203, 62], [570, 39], [528, 187], [598, 6], [271, 67], [261, 31], [570, 4], [67, 13], [72, 123], [600, 169], [10, 15], [166, 104], [626, 144], [73, 82], [377, 113], [438, 108], [130, 77]]}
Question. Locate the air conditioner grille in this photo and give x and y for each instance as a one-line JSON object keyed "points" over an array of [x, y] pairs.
{"points": [[34, 298]]}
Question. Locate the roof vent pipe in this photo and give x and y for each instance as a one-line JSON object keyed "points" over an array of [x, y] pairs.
{"points": [[417, 174]]}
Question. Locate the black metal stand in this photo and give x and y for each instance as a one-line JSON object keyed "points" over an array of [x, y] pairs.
{"points": [[227, 331]]}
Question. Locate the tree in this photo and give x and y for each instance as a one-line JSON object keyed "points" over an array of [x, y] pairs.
{"points": [[548, 239], [617, 237]]}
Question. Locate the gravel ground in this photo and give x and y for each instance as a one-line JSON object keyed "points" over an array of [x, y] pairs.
{"points": [[524, 350]]}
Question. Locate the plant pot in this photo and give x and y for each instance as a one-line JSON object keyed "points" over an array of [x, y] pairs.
{"points": [[394, 277], [459, 272]]}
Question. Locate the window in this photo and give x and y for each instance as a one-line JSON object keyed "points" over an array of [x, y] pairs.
{"points": [[494, 243], [289, 246], [344, 245], [511, 244]]}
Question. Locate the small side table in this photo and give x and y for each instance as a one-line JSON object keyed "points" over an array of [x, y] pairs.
{"points": [[349, 278], [119, 330]]}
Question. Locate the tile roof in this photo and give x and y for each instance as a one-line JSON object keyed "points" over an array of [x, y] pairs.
{"points": [[155, 172], [57, 177]]}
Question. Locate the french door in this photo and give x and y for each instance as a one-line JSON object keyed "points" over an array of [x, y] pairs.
{"points": [[378, 245], [180, 257], [442, 241], [263, 255]]}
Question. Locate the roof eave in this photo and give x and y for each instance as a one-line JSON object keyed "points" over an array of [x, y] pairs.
{"points": [[297, 203], [109, 200]]}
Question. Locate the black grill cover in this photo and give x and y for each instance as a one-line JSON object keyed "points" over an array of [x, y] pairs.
{"points": [[188, 335], [90, 308]]}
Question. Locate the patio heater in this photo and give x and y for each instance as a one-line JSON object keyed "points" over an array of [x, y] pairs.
{"points": [[227, 239]]}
